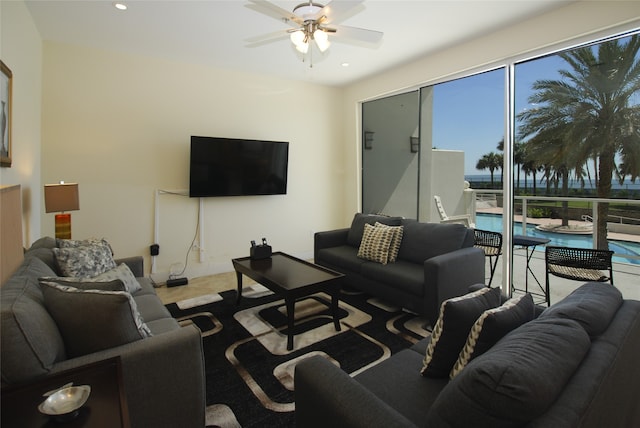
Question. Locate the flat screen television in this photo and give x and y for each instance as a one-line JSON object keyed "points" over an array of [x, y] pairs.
{"points": [[237, 167]]}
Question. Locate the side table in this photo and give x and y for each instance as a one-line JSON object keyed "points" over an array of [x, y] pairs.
{"points": [[105, 408], [529, 243]]}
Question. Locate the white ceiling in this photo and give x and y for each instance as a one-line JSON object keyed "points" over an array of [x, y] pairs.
{"points": [[214, 32]]}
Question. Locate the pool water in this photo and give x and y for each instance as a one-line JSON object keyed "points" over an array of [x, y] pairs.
{"points": [[493, 222]]}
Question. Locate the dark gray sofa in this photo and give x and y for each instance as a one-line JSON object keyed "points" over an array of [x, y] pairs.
{"points": [[163, 374], [575, 365], [435, 262]]}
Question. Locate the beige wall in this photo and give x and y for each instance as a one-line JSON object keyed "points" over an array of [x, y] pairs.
{"points": [[21, 51], [577, 22], [120, 126]]}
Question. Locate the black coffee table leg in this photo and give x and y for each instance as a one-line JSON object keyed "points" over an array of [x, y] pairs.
{"points": [[239, 278], [334, 309], [291, 303]]}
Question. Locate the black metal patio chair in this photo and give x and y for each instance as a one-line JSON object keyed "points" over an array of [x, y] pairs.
{"points": [[579, 264], [491, 244]]}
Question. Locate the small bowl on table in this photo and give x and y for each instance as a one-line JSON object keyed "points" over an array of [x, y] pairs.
{"points": [[64, 404]]}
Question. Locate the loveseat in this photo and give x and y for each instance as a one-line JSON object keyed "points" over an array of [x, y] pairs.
{"points": [[163, 374], [434, 262], [573, 365]]}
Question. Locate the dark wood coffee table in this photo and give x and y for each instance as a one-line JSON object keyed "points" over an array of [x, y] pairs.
{"points": [[290, 278]]}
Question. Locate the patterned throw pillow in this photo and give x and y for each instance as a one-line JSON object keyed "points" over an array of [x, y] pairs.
{"points": [[492, 326], [93, 320], [457, 316], [121, 273], [82, 284], [375, 244], [396, 240], [85, 261], [74, 243]]}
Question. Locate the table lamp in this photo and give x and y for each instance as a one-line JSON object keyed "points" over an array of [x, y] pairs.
{"points": [[59, 198]]}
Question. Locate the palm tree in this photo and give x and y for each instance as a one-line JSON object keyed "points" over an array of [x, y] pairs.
{"points": [[490, 161], [591, 105], [518, 159]]}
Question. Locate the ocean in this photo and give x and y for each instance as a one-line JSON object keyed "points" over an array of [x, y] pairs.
{"points": [[573, 184]]}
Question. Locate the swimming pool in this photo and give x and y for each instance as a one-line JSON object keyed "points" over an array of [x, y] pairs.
{"points": [[493, 222]]}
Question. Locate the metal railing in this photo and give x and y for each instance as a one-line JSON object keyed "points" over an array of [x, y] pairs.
{"points": [[482, 195]]}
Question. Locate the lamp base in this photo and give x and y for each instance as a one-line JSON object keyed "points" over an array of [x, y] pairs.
{"points": [[63, 226]]}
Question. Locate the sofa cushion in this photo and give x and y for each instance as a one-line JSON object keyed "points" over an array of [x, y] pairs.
{"points": [[46, 255], [396, 381], [30, 340], [401, 275], [515, 381], [359, 220], [93, 320], [593, 305], [491, 326], [457, 316], [120, 273], [342, 257], [84, 261], [34, 267], [375, 244], [422, 241], [75, 243], [151, 308], [44, 242], [396, 240], [114, 285]]}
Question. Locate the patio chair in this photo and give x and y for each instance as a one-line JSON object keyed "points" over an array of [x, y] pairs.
{"points": [[444, 218], [491, 244], [579, 264]]}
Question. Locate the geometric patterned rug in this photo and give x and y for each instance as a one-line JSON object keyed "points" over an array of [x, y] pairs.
{"points": [[249, 372]]}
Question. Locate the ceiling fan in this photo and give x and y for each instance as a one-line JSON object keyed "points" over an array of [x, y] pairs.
{"points": [[315, 22]]}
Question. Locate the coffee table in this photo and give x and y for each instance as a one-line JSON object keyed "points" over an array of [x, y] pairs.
{"points": [[290, 278]]}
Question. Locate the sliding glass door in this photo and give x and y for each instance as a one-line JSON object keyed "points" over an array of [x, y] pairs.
{"points": [[567, 125]]}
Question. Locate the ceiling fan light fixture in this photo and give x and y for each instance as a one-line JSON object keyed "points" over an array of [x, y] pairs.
{"points": [[300, 40], [322, 40], [297, 37], [303, 48]]}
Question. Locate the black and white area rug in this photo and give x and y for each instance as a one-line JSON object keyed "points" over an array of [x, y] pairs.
{"points": [[249, 372]]}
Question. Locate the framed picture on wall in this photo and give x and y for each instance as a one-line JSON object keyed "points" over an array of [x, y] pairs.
{"points": [[5, 114]]}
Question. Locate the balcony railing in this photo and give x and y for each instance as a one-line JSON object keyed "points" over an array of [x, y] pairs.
{"points": [[626, 225]]}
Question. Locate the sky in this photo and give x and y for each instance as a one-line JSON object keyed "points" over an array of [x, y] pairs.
{"points": [[469, 112]]}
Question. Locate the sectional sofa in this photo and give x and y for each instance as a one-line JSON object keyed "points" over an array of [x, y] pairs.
{"points": [[574, 365], [163, 374]]}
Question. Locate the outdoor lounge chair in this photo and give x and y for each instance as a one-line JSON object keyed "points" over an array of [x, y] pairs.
{"points": [[444, 218]]}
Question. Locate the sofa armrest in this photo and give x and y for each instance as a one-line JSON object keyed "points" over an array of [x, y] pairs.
{"points": [[163, 377], [135, 263], [328, 239], [450, 275], [326, 396]]}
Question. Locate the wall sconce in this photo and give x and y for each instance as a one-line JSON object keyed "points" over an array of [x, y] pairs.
{"points": [[368, 140], [60, 198], [415, 144]]}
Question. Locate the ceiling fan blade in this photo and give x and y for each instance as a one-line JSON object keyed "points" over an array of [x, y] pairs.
{"points": [[338, 11], [263, 39], [360, 36], [274, 11]]}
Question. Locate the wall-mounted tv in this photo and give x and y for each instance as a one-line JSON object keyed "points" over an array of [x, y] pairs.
{"points": [[237, 167]]}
